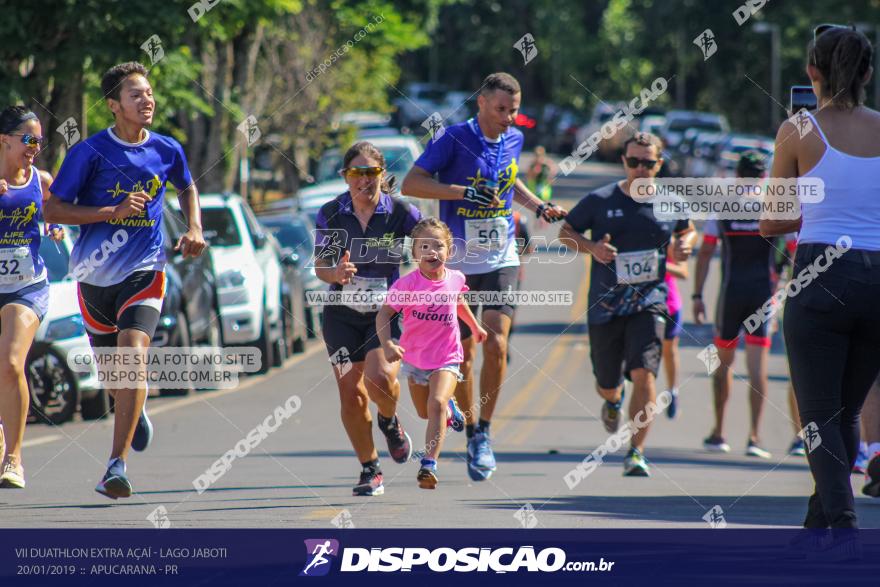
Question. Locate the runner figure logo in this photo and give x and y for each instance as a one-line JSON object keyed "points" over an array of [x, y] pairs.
{"points": [[526, 46], [706, 42], [434, 125], [249, 128], [802, 122], [341, 361], [810, 436], [709, 356], [70, 131], [319, 554], [715, 518], [153, 48]]}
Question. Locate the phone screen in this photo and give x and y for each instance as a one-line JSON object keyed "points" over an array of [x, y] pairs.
{"points": [[802, 97]]}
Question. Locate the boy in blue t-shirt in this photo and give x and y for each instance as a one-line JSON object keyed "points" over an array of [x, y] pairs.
{"points": [[113, 185]]}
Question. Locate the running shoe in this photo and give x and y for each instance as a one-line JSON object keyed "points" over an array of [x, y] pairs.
{"points": [[115, 484], [454, 417], [370, 483], [611, 414], [143, 432], [427, 476], [12, 475], [753, 449], [672, 408], [715, 444], [797, 448], [861, 465], [481, 460], [399, 442], [872, 477], [635, 465]]}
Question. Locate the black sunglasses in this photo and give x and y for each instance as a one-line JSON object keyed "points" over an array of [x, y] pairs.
{"points": [[633, 162], [827, 27]]}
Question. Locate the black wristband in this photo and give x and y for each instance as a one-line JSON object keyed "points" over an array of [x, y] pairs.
{"points": [[697, 297], [539, 211]]}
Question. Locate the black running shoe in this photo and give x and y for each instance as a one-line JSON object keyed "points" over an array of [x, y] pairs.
{"points": [[370, 483], [399, 443]]}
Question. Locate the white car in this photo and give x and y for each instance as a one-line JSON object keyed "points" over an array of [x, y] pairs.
{"points": [[55, 388], [400, 151], [248, 277]]}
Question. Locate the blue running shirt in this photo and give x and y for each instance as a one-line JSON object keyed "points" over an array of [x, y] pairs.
{"points": [[463, 156], [101, 171], [20, 211]]}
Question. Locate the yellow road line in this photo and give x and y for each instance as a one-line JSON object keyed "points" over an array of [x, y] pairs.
{"points": [[557, 353]]}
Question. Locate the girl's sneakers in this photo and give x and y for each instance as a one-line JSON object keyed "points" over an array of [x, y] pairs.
{"points": [[427, 476]]}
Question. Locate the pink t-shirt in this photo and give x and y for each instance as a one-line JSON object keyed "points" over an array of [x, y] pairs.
{"points": [[673, 300], [431, 338]]}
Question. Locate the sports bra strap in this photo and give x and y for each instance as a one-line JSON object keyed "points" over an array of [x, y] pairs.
{"points": [[818, 128]]}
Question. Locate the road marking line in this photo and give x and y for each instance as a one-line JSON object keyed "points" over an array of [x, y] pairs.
{"points": [[557, 353], [548, 403], [197, 397], [41, 440]]}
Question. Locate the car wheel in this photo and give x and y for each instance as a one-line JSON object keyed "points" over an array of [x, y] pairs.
{"points": [[181, 339], [53, 390], [97, 407], [265, 346]]}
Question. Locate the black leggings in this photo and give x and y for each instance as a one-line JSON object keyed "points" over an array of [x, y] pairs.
{"points": [[832, 335]]}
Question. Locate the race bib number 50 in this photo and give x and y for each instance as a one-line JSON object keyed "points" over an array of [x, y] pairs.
{"points": [[486, 233], [637, 266]]}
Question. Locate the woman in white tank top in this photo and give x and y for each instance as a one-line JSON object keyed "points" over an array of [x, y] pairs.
{"points": [[832, 324]]}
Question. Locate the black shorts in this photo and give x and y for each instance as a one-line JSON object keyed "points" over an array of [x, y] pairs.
{"points": [[352, 334], [504, 279], [135, 302], [735, 305], [626, 343]]}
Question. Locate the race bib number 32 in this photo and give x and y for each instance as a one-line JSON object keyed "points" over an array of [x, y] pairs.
{"points": [[637, 266], [16, 265]]}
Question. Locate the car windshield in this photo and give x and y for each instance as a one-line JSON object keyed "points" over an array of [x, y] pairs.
{"points": [[219, 227], [685, 124], [291, 234], [55, 257], [398, 159]]}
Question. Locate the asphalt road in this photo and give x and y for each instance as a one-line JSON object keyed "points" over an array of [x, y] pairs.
{"points": [[547, 422]]}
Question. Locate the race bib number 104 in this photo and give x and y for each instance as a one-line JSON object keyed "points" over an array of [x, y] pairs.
{"points": [[637, 266]]}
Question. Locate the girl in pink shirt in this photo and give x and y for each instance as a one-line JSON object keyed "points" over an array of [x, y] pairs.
{"points": [[430, 346]]}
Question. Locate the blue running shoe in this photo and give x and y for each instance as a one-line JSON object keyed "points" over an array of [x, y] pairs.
{"points": [[797, 448], [115, 484], [481, 460], [455, 419], [143, 432], [861, 465]]}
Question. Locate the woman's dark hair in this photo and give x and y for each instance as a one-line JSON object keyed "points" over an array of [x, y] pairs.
{"points": [[843, 57], [111, 82], [13, 116], [367, 149]]}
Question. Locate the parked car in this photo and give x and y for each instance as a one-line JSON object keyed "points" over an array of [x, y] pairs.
{"points": [[679, 121], [295, 234], [190, 314], [702, 154], [419, 101], [248, 275], [55, 389], [400, 153], [730, 150]]}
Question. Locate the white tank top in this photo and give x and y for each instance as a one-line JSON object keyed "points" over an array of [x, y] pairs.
{"points": [[852, 199]]}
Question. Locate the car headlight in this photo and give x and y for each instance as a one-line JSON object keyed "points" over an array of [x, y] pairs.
{"points": [[69, 327], [231, 278]]}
